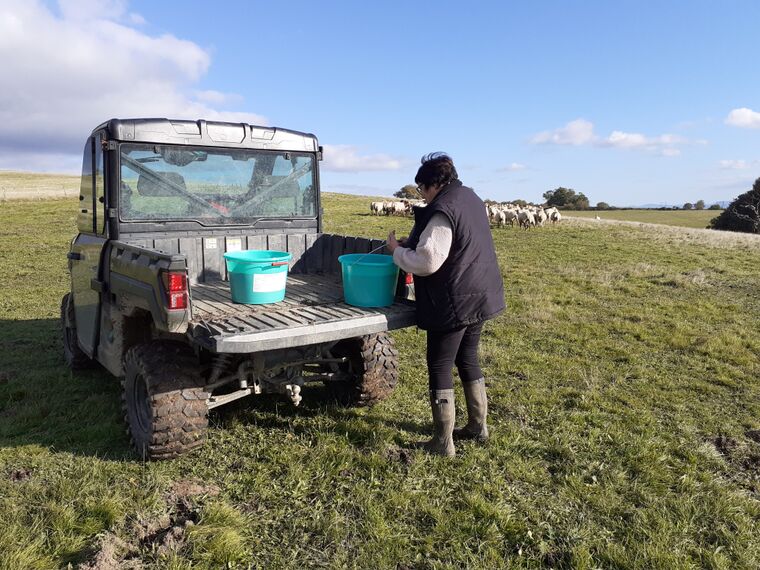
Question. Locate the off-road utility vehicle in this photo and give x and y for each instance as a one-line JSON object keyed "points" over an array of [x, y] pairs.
{"points": [[161, 202]]}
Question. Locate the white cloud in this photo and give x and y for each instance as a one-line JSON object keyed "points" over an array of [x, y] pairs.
{"points": [[514, 167], [737, 164], [744, 118], [64, 74], [620, 139], [663, 144], [136, 19], [576, 133], [217, 97], [346, 158], [580, 132], [84, 10]]}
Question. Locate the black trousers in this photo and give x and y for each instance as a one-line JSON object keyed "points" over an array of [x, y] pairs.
{"points": [[446, 349]]}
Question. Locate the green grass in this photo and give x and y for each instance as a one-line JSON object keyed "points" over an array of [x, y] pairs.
{"points": [[684, 218], [624, 382]]}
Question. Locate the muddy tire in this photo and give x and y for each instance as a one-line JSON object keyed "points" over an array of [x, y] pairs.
{"points": [[74, 356], [372, 370], [164, 401]]}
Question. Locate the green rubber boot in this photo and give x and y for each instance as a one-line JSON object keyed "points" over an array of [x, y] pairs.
{"points": [[442, 405], [477, 410]]}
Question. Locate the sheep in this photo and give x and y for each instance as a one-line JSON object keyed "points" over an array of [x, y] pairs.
{"points": [[399, 208], [388, 208], [510, 216], [541, 217], [493, 214], [526, 219]]}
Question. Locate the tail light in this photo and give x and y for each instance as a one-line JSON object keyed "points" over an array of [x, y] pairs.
{"points": [[175, 284]]}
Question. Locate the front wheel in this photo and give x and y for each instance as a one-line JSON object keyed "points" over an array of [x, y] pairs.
{"points": [[165, 405], [371, 372]]}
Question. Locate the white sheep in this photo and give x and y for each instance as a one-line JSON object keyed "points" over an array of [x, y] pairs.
{"points": [[541, 217]]}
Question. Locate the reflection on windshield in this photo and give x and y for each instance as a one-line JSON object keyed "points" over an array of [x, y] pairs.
{"points": [[214, 186]]}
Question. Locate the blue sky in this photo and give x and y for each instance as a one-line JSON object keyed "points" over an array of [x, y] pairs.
{"points": [[628, 102]]}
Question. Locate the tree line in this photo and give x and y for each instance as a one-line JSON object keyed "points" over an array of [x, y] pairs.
{"points": [[742, 213]]}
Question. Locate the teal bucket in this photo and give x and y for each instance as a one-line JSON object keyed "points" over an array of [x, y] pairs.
{"points": [[369, 280], [257, 277]]}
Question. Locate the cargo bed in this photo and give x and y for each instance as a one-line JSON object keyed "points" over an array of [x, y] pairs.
{"points": [[313, 311]]}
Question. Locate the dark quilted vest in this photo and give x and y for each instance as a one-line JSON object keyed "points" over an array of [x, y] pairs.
{"points": [[468, 287]]}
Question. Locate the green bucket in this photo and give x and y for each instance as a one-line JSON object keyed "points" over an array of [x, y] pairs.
{"points": [[257, 276], [369, 280]]}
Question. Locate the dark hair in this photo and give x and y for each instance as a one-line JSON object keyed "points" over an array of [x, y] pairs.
{"points": [[437, 170]]}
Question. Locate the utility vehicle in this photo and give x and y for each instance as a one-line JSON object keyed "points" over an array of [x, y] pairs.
{"points": [[161, 201]]}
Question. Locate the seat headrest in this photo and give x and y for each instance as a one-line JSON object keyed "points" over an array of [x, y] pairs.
{"points": [[150, 186]]}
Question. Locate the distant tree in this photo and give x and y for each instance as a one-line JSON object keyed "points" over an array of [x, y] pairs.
{"points": [[566, 198], [688, 206], [742, 215], [699, 205], [521, 203], [715, 207], [602, 206], [560, 197], [581, 202], [409, 192]]}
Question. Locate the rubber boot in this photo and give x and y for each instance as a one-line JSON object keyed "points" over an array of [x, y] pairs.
{"points": [[442, 404], [477, 410]]}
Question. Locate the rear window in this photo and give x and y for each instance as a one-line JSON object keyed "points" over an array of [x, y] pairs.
{"points": [[214, 186]]}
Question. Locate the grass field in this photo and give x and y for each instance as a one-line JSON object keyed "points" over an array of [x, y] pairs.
{"points": [[684, 218], [624, 386], [32, 185]]}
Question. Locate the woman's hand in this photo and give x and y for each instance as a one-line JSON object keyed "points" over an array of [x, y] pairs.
{"points": [[392, 242]]}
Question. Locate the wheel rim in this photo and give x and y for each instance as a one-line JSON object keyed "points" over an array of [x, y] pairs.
{"points": [[353, 366], [142, 410]]}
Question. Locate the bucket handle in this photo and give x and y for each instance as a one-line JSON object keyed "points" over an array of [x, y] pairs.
{"points": [[279, 263], [381, 246]]}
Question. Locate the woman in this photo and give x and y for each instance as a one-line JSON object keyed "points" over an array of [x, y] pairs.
{"points": [[458, 286]]}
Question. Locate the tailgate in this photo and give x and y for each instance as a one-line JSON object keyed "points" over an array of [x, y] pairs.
{"points": [[313, 312]]}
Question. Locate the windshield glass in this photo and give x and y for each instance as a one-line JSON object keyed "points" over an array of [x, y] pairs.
{"points": [[214, 186]]}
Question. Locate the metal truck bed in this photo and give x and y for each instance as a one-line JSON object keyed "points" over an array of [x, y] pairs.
{"points": [[313, 311]]}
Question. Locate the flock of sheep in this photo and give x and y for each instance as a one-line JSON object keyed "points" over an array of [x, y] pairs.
{"points": [[526, 216], [499, 214], [394, 207]]}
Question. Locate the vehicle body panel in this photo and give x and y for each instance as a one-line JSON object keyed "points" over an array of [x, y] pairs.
{"points": [[85, 267]]}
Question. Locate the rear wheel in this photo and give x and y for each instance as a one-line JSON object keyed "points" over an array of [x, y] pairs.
{"points": [[165, 405], [371, 372], [72, 354]]}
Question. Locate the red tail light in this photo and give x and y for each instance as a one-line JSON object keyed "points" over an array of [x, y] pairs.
{"points": [[409, 279], [175, 284]]}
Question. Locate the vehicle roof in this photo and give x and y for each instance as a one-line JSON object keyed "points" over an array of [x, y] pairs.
{"points": [[208, 133]]}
